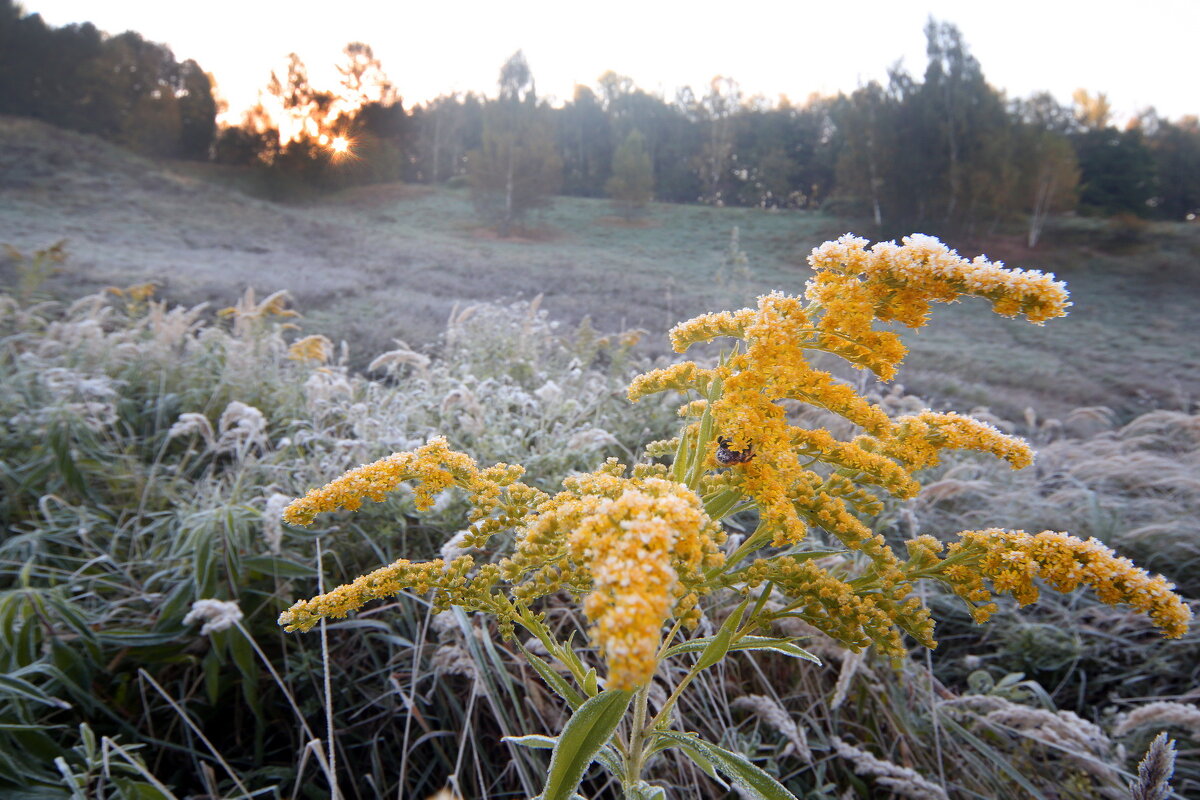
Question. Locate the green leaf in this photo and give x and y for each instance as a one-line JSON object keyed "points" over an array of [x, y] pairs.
{"points": [[683, 455], [72, 615], [778, 644], [242, 651], [718, 646], [718, 505], [610, 758], [114, 637], [203, 565], [16, 687], [808, 555], [534, 740], [137, 790], [752, 780], [59, 440], [212, 676], [645, 791], [588, 730], [553, 679], [704, 436], [277, 566], [702, 761], [170, 612]]}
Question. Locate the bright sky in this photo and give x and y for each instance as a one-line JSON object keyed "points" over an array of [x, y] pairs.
{"points": [[1141, 54]]}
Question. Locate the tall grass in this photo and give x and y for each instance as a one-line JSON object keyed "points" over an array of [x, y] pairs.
{"points": [[142, 447], [143, 457]]}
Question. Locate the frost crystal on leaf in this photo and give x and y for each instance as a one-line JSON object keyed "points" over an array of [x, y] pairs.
{"points": [[217, 615]]}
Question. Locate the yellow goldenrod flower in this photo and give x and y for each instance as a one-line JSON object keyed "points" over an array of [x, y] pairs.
{"points": [[709, 326], [678, 377], [639, 550], [1011, 560], [902, 279], [311, 348], [384, 582], [916, 441], [637, 546], [434, 466]]}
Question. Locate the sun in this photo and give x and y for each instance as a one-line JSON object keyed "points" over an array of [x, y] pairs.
{"points": [[339, 147]]}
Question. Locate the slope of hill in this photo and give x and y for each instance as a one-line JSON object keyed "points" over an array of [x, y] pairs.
{"points": [[390, 261]]}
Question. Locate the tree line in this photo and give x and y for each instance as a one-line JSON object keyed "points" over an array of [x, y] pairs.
{"points": [[944, 150], [122, 88]]}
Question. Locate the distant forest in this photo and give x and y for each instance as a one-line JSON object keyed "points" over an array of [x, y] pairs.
{"points": [[944, 149]]}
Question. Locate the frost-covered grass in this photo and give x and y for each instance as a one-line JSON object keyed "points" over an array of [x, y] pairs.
{"points": [[145, 452], [144, 455]]}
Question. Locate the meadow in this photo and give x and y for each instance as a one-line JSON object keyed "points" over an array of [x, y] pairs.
{"points": [[377, 263], [150, 442]]}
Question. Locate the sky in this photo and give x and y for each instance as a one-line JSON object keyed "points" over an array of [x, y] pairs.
{"points": [[1140, 54]]}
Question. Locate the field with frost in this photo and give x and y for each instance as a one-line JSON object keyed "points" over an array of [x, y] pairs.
{"points": [[147, 444]]}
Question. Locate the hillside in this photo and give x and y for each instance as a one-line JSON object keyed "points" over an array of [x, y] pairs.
{"points": [[377, 263]]}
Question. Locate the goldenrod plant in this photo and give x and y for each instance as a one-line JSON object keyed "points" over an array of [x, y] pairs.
{"points": [[647, 553]]}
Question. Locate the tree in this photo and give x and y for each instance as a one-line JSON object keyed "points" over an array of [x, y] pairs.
{"points": [[447, 128], [141, 84], [585, 140], [1051, 182], [306, 109], [363, 78], [1117, 171], [517, 166], [716, 113], [672, 136], [966, 122], [1176, 150], [939, 153], [1049, 179], [632, 183], [867, 122], [197, 112], [122, 88], [1093, 112]]}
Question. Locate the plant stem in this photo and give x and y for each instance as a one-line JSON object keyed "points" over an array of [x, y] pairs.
{"points": [[635, 756]]}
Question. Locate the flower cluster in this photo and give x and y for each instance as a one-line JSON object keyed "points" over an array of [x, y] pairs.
{"points": [[1012, 560], [854, 286], [638, 547], [311, 348], [435, 467], [640, 550], [385, 582]]}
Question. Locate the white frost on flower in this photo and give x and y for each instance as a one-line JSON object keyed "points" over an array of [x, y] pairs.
{"points": [[1161, 713], [67, 384], [920, 257], [325, 388], [549, 393], [273, 521], [92, 399], [192, 424], [591, 439], [217, 615], [240, 427], [402, 356], [902, 781]]}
